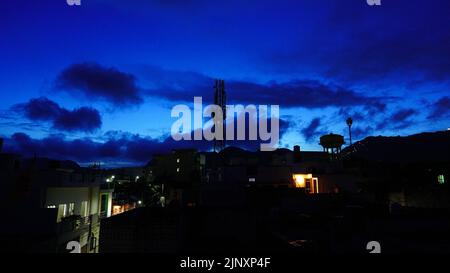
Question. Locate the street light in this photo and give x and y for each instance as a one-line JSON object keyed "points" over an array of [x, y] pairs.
{"points": [[349, 123]]}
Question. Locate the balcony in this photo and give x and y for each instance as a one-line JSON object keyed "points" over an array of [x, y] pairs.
{"points": [[73, 223]]}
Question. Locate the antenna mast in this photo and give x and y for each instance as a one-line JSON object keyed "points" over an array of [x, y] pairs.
{"points": [[220, 99]]}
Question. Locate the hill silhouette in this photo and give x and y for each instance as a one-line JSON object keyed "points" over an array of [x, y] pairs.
{"points": [[430, 146]]}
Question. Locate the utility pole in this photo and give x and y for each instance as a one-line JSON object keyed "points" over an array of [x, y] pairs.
{"points": [[349, 123]]}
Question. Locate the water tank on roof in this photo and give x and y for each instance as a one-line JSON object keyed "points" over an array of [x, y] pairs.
{"points": [[331, 141]]}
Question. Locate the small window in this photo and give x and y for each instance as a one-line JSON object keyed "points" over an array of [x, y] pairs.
{"points": [[251, 179], [178, 160], [84, 209], [71, 208], [61, 212], [441, 179], [178, 170]]}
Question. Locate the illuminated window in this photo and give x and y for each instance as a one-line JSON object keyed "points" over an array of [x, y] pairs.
{"points": [[61, 212], [178, 160], [441, 179], [299, 179], [251, 179], [306, 181], [178, 170], [71, 208], [84, 209], [117, 209]]}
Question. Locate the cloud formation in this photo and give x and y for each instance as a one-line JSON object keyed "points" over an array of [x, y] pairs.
{"points": [[95, 81], [83, 119], [399, 119], [184, 85], [312, 130], [440, 109], [115, 146]]}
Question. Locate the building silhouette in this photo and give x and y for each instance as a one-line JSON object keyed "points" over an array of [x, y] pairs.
{"points": [[52, 202]]}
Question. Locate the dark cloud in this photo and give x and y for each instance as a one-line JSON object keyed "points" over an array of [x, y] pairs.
{"points": [[184, 85], [116, 146], [360, 132], [312, 130], [354, 114], [83, 119], [300, 93], [440, 109], [402, 115], [40, 109], [366, 120], [400, 119], [121, 89], [98, 82]]}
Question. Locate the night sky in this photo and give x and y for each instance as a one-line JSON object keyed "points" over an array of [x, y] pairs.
{"points": [[97, 82]]}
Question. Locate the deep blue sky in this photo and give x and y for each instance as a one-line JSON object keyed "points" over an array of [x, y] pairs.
{"points": [[97, 81]]}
